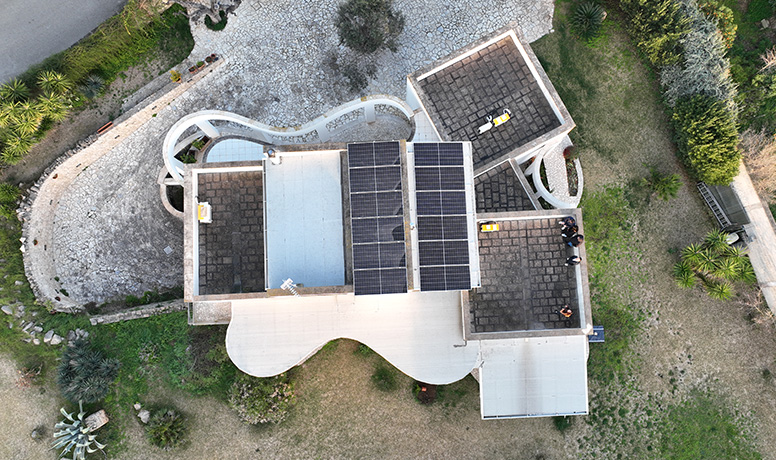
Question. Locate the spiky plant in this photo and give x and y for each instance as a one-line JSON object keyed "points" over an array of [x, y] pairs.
{"points": [[663, 185], [9, 193], [587, 20], [14, 91], [719, 290], [167, 428], [9, 114], [75, 436], [52, 106], [16, 146], [716, 240], [85, 374], [54, 82], [692, 254], [92, 86], [684, 275]]}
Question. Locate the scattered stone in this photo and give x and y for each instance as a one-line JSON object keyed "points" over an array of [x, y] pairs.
{"points": [[7, 310], [36, 341], [27, 340], [38, 433], [27, 326], [20, 310], [97, 420], [37, 329], [10, 325], [56, 340], [18, 283], [144, 416], [48, 336], [70, 336], [137, 406], [765, 23]]}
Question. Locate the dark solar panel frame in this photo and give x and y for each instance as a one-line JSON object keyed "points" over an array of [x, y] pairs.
{"points": [[377, 218], [443, 232]]}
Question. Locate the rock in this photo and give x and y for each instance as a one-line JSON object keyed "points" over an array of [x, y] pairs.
{"points": [[97, 420], [765, 23], [48, 336], [37, 329], [36, 341], [56, 340], [10, 325], [70, 336], [18, 283], [7, 310], [144, 416], [137, 406]]}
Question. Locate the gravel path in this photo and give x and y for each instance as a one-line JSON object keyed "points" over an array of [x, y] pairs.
{"points": [[111, 230]]}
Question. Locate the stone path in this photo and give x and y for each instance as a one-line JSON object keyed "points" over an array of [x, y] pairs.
{"points": [[111, 231]]}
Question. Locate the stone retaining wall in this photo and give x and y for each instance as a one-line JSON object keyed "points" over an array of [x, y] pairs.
{"points": [[143, 311], [37, 210]]}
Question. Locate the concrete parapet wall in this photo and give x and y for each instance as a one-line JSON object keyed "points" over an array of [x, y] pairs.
{"points": [[38, 209]]}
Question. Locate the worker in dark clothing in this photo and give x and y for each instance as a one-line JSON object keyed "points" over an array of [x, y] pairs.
{"points": [[576, 240], [573, 260], [567, 222], [568, 232]]}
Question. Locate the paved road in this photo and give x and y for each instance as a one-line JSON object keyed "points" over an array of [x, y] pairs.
{"points": [[762, 247], [32, 30]]}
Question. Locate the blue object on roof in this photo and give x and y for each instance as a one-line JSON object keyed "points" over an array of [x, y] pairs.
{"points": [[597, 336]]}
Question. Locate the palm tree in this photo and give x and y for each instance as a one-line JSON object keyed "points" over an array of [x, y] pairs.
{"points": [[14, 91], [54, 82]]}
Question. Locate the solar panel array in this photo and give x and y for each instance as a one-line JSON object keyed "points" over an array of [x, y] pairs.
{"points": [[377, 218], [443, 235]]}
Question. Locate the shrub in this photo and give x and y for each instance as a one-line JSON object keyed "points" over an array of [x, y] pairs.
{"points": [[92, 86], [723, 17], [368, 26], [704, 69], [261, 400], [220, 25], [656, 26], [14, 91], [8, 193], [167, 428], [714, 263], [384, 378], [664, 185], [707, 138], [562, 422], [84, 373], [587, 19]]}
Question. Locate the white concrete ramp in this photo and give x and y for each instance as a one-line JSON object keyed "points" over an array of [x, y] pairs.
{"points": [[418, 332]]}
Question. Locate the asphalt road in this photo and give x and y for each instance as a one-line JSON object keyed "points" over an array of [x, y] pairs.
{"points": [[32, 30]]}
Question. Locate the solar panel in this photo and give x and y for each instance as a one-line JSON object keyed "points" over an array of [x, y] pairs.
{"points": [[443, 232], [377, 218]]}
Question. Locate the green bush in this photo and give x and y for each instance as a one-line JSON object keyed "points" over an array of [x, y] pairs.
{"points": [[723, 17], [562, 423], [368, 26], [705, 68], [656, 26], [707, 139], [663, 185], [220, 25], [384, 378], [261, 400], [84, 373], [587, 19], [167, 428]]}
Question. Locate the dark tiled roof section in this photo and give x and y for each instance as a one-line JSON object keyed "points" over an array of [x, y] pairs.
{"points": [[524, 279], [500, 190], [231, 248], [494, 78]]}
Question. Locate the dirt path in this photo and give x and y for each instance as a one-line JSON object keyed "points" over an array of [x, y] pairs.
{"points": [[22, 411]]}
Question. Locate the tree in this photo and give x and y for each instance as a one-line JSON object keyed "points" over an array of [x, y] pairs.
{"points": [[656, 26], [707, 138], [368, 26], [84, 373]]}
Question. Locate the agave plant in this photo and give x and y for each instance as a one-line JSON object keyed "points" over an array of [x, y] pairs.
{"points": [[75, 435], [716, 240], [587, 20], [54, 82], [684, 275], [92, 86], [719, 290], [9, 114], [14, 91], [52, 106]]}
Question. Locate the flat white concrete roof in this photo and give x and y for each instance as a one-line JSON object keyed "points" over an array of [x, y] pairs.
{"points": [[533, 377], [418, 332], [304, 220], [234, 150]]}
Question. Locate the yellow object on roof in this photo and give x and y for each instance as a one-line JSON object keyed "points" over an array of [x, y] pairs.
{"points": [[503, 118], [204, 213], [489, 227]]}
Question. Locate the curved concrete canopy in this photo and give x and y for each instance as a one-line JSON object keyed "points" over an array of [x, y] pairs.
{"points": [[418, 332], [270, 134]]}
